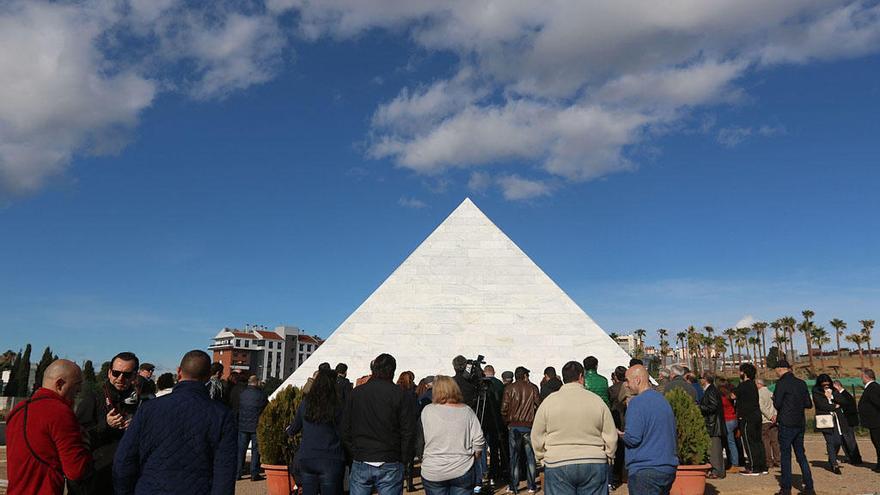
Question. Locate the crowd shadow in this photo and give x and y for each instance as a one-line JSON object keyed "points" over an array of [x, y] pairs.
{"points": [[797, 481], [711, 489]]}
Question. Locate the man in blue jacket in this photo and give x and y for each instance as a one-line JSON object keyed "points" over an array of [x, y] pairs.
{"points": [[250, 405], [183, 442]]}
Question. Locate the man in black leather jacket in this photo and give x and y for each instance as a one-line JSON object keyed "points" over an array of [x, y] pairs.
{"points": [[713, 413], [851, 413]]}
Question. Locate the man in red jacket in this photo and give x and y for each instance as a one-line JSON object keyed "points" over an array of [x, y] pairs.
{"points": [[44, 440]]}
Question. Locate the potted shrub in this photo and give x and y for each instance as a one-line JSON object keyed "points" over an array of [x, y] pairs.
{"points": [[276, 448], [693, 445]]}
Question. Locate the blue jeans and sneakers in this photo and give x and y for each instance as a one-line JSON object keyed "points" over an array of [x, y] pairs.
{"points": [[244, 438], [793, 438], [520, 438], [731, 425], [387, 478], [577, 479], [456, 486]]}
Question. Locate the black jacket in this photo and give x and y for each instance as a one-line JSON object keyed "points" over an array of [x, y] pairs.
{"points": [[869, 406], [91, 412], [848, 405], [378, 425], [790, 399], [343, 389], [747, 404], [251, 403], [713, 412], [549, 387], [468, 390], [823, 406]]}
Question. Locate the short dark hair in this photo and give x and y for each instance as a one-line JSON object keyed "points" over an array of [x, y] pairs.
{"points": [[166, 380], [126, 356], [591, 363], [572, 371], [341, 369], [197, 364], [620, 373], [459, 363], [384, 366], [550, 371], [709, 376], [869, 373], [749, 370], [147, 367], [324, 366], [520, 372], [635, 361], [216, 367]]}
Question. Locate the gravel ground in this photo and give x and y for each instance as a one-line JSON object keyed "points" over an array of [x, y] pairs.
{"points": [[856, 480]]}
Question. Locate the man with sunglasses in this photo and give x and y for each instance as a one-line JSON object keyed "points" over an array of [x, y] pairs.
{"points": [[105, 413]]}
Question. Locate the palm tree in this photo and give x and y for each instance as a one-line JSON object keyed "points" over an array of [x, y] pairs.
{"points": [[681, 337], [663, 333], [867, 326], [806, 327], [776, 325], [820, 337], [839, 325], [755, 342], [788, 326], [780, 341], [858, 339], [730, 333], [720, 348], [760, 327], [742, 336], [640, 343]]}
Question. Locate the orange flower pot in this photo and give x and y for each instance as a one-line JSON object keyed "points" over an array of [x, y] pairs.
{"points": [[278, 480], [690, 480]]}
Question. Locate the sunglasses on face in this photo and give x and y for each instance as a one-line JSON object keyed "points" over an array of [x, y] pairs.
{"points": [[125, 374]]}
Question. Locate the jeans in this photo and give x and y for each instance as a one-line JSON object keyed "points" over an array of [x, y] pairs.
{"points": [[832, 445], [576, 479], [733, 454], [480, 467], [456, 486], [521, 436], [244, 438], [650, 482], [793, 438], [320, 475], [387, 478]]}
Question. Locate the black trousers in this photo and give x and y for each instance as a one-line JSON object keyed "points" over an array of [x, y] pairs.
{"points": [[753, 445], [875, 439]]}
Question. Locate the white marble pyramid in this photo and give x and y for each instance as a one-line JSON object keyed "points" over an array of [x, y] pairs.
{"points": [[469, 290]]}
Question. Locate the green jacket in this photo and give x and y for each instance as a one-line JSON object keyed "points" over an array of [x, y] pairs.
{"points": [[598, 384]]}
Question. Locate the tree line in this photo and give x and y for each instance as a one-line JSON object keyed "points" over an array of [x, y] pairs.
{"points": [[705, 345], [19, 365]]}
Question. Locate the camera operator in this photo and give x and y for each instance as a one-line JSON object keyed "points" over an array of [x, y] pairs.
{"points": [[105, 414], [464, 381]]}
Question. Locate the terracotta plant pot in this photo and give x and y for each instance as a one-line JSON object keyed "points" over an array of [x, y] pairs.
{"points": [[278, 480], [690, 480]]}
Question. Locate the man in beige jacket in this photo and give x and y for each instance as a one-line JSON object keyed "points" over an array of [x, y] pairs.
{"points": [[574, 435], [769, 430]]}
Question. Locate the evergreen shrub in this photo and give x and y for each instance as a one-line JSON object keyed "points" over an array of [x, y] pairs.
{"points": [[691, 435], [275, 446]]}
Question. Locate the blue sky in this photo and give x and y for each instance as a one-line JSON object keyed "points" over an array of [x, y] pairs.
{"points": [[275, 163]]}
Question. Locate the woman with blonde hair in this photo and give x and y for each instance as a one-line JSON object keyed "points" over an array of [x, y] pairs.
{"points": [[451, 439]]}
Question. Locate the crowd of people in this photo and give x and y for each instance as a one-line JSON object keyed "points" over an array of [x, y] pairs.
{"points": [[469, 431]]}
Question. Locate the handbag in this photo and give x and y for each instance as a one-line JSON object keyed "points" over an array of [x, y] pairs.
{"points": [[824, 421]]}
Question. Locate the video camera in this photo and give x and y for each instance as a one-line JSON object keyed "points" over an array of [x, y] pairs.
{"points": [[474, 370]]}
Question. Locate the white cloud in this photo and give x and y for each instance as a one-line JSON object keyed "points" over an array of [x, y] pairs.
{"points": [[734, 135], [479, 182], [413, 203], [745, 322], [517, 188], [56, 96], [572, 85]]}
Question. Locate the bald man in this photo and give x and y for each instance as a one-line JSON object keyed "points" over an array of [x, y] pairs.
{"points": [[44, 440], [651, 456], [182, 442]]}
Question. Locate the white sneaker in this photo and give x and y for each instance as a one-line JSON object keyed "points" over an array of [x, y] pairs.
{"points": [[477, 489], [531, 491]]}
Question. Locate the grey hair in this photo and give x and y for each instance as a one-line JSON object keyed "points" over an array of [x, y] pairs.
{"points": [[663, 373], [676, 370], [759, 381]]}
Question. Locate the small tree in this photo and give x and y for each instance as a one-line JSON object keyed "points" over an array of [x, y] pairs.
{"points": [[691, 434], [772, 357], [11, 388], [89, 373], [23, 372], [44, 363], [275, 446]]}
